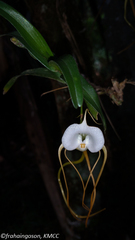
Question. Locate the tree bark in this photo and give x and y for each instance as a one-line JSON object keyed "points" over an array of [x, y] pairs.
{"points": [[38, 141]]}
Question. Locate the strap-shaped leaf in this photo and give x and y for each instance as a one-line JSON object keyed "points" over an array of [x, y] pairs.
{"points": [[92, 110], [20, 42], [29, 33], [91, 97], [40, 72], [69, 69]]}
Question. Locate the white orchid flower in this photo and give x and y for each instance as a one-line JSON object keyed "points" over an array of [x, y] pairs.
{"points": [[82, 137]]}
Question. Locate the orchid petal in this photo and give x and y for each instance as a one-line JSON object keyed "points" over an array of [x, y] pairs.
{"points": [[94, 139], [71, 138]]}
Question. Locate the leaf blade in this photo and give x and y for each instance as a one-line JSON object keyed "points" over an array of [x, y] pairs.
{"points": [[20, 42], [26, 30], [92, 110], [91, 97], [9, 84], [72, 77], [39, 72]]}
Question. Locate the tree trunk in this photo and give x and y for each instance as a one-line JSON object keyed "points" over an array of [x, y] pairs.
{"points": [[38, 141]]}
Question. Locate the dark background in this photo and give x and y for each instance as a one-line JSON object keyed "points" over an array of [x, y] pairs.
{"points": [[31, 126]]}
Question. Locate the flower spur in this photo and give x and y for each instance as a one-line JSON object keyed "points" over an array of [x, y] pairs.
{"points": [[82, 137]]}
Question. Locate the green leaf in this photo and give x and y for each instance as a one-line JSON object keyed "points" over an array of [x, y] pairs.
{"points": [[28, 32], [9, 84], [43, 72], [20, 42], [40, 72], [69, 69], [91, 97], [92, 110], [54, 66]]}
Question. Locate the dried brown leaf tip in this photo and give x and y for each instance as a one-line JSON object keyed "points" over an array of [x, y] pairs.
{"points": [[116, 91]]}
